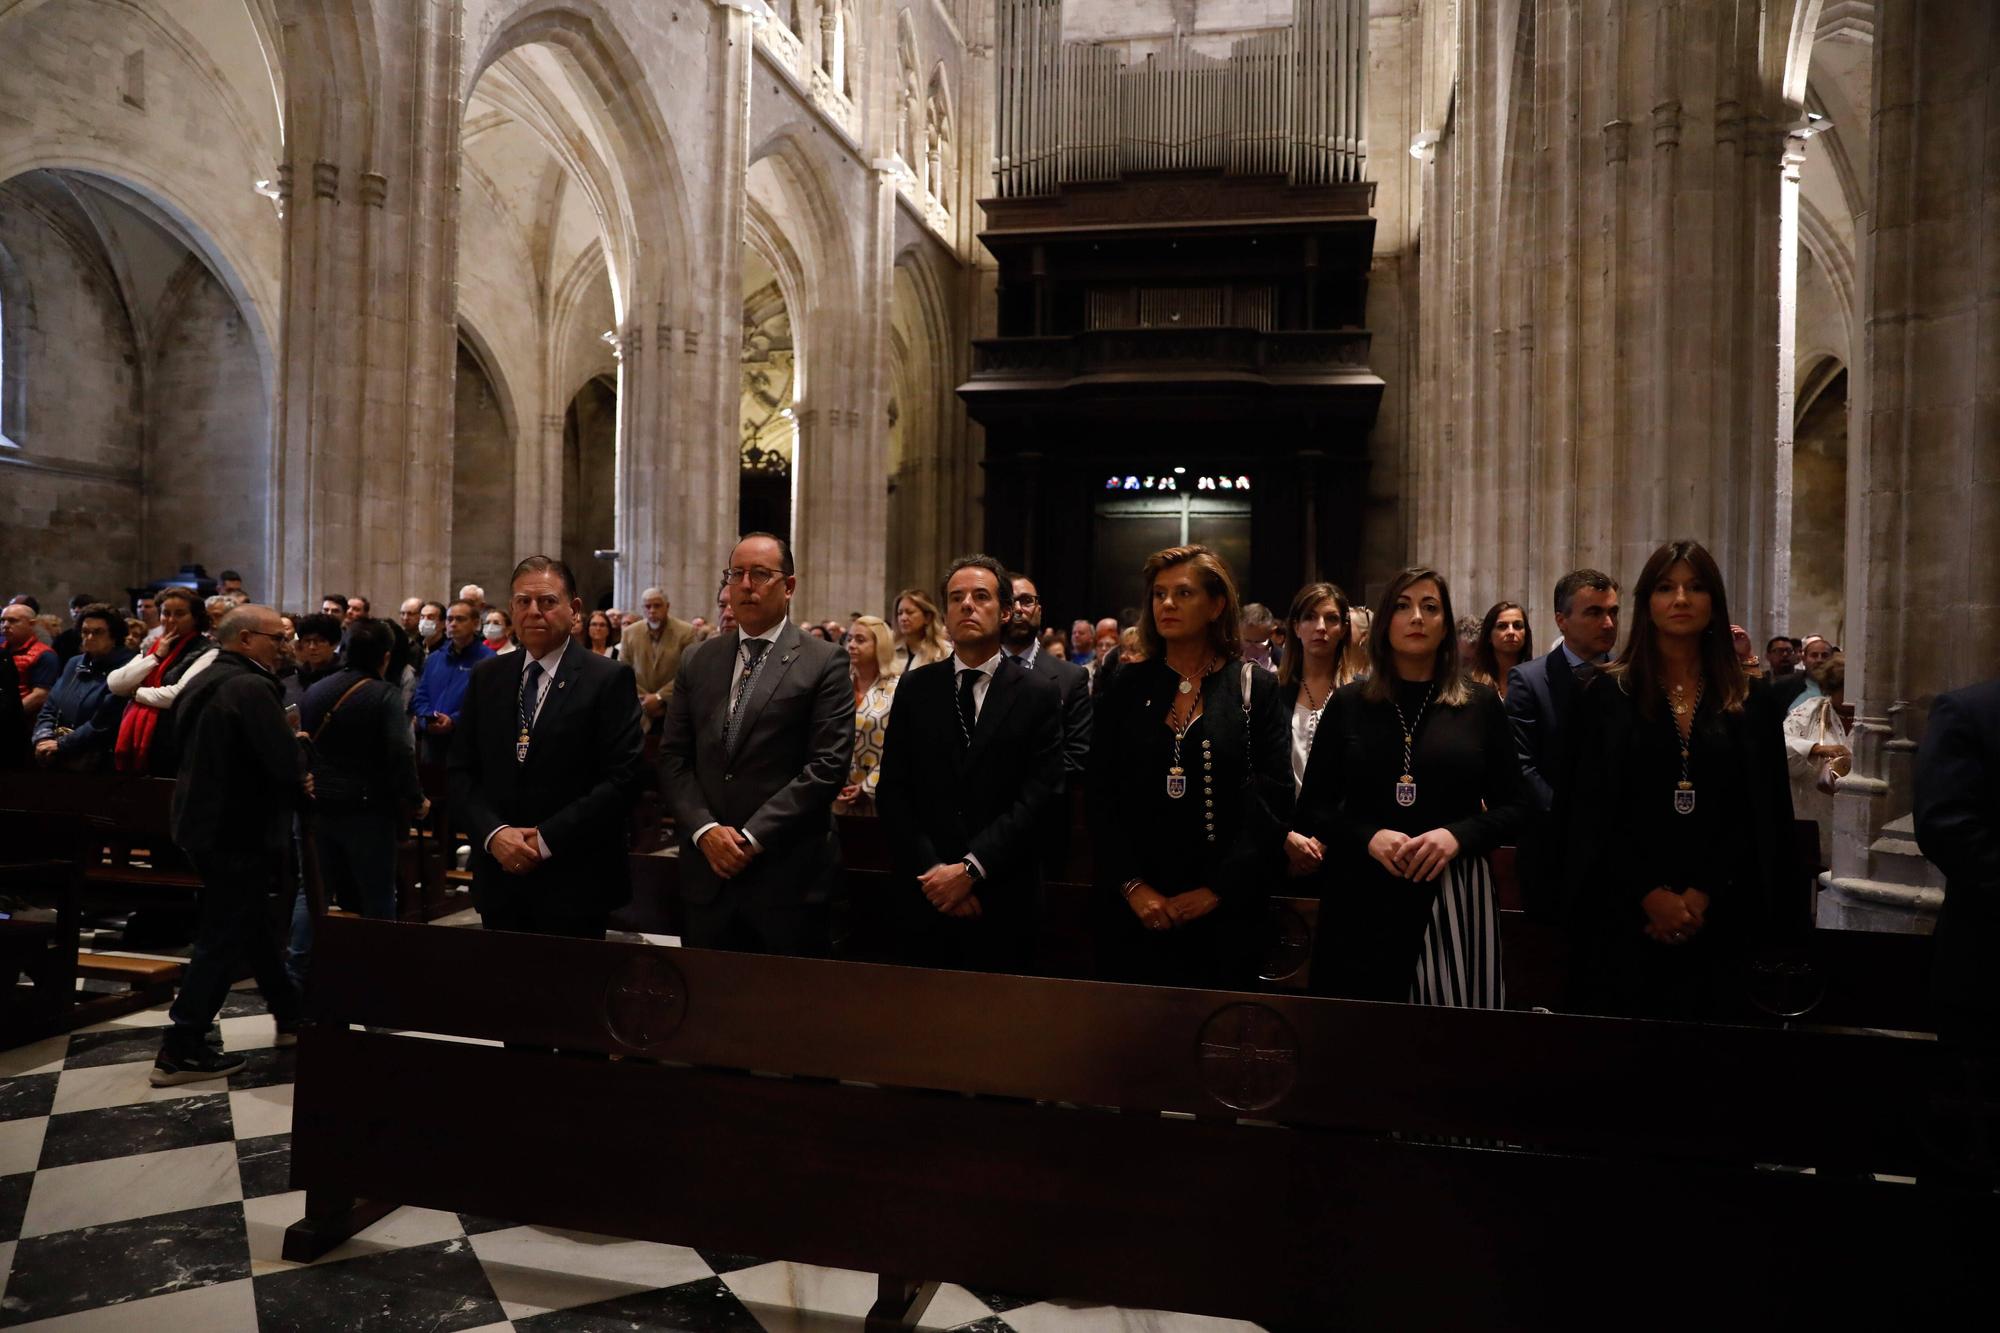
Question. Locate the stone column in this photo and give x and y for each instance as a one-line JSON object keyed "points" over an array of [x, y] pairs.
{"points": [[1924, 614], [1600, 273], [364, 396]]}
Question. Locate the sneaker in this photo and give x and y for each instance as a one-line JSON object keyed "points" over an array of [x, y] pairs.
{"points": [[176, 1067]]}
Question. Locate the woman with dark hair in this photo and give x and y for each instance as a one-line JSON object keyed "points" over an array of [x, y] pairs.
{"points": [[154, 679], [79, 722], [1413, 783], [1504, 642], [1189, 787], [498, 630], [600, 637], [1315, 665], [1679, 809]]}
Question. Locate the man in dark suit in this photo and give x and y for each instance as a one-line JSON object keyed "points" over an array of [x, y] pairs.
{"points": [[1958, 828], [1020, 644], [758, 736], [1540, 696], [973, 759], [545, 768]]}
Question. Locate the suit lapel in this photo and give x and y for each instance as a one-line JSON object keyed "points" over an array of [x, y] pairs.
{"points": [[778, 659], [1000, 696], [556, 700]]}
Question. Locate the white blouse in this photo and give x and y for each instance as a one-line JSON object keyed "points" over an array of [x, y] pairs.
{"points": [[128, 681]]}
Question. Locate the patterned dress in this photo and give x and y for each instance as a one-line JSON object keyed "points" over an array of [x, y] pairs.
{"points": [[871, 730]]}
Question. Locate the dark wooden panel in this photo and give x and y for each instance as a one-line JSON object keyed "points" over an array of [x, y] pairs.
{"points": [[1720, 1093], [1295, 1229]]}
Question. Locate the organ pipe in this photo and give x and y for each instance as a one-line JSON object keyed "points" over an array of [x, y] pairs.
{"points": [[1285, 103]]}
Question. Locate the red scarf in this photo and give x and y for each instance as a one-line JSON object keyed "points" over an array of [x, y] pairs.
{"points": [[135, 729]]}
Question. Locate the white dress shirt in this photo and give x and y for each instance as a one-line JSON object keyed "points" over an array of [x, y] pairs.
{"points": [[984, 671]]}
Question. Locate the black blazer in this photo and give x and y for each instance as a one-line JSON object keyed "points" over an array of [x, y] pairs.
{"points": [[1540, 695], [940, 800], [1958, 828], [1608, 872], [1072, 683], [577, 787], [241, 769], [1246, 860], [794, 743]]}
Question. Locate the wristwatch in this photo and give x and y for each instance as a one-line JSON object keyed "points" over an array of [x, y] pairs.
{"points": [[972, 870]]}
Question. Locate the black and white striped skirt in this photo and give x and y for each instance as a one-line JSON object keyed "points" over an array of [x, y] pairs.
{"points": [[1459, 963]]}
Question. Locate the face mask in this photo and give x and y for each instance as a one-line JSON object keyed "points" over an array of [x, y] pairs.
{"points": [[494, 633], [426, 628]]}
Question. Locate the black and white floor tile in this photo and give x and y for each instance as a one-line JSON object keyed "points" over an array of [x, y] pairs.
{"points": [[129, 1207]]}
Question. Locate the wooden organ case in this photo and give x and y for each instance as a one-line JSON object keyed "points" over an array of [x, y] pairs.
{"points": [[1183, 243]]}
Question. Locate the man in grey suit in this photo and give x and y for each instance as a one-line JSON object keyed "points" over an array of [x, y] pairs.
{"points": [[758, 736]]}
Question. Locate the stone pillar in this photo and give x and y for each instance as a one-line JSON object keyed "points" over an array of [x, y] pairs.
{"points": [[1924, 614], [364, 383], [1600, 273], [681, 374]]}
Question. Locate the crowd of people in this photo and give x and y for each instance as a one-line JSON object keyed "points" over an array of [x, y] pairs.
{"points": [[1372, 757]]}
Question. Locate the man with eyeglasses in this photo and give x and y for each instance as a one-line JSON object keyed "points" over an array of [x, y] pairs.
{"points": [[758, 736], [1020, 644], [242, 774], [545, 768]]}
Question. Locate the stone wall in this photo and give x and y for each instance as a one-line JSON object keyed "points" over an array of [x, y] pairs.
{"points": [[208, 437], [70, 509], [482, 484]]}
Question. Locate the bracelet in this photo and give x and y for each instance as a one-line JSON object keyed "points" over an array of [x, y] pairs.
{"points": [[1130, 885]]}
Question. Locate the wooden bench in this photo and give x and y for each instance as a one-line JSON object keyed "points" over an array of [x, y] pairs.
{"points": [[42, 945], [1275, 1158]]}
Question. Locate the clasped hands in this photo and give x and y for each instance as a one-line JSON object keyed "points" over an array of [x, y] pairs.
{"points": [[1156, 911], [1420, 859], [727, 849], [1674, 917], [518, 850], [949, 889], [1303, 855]]}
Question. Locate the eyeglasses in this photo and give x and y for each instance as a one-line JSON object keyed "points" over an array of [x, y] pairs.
{"points": [[757, 574], [275, 636], [1027, 599]]}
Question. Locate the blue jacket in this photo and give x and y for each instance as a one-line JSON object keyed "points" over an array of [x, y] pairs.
{"points": [[441, 687], [82, 702]]}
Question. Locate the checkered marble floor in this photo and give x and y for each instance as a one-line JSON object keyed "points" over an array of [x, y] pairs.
{"points": [[129, 1207]]}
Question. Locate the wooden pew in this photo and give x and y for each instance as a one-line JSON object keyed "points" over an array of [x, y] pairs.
{"points": [[947, 1126], [137, 864], [48, 855]]}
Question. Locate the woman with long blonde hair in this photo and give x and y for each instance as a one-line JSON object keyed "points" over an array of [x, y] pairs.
{"points": [[920, 637], [871, 661]]}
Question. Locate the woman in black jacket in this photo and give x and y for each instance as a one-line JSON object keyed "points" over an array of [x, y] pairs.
{"points": [[1679, 808], [1413, 782], [1189, 787]]}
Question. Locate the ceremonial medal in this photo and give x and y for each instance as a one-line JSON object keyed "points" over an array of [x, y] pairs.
{"points": [[521, 749], [1406, 786], [1679, 707], [1187, 686], [1176, 783]]}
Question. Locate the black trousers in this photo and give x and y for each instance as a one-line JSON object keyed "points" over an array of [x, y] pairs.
{"points": [[794, 930], [236, 927], [532, 912]]}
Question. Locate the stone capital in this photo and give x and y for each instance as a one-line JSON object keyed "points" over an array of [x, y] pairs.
{"points": [[326, 180], [1667, 125], [1617, 141], [374, 189]]}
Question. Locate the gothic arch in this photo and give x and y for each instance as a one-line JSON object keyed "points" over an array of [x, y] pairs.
{"points": [[644, 190], [496, 375]]}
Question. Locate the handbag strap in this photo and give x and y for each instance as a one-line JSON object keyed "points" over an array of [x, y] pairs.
{"points": [[349, 694]]}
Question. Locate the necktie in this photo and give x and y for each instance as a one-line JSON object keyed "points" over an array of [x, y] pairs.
{"points": [[753, 658], [530, 696], [968, 712]]}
